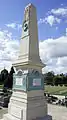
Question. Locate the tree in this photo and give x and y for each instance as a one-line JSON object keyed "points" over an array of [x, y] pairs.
{"points": [[1, 81], [65, 80], [12, 70], [8, 80], [10, 77], [4, 75], [48, 77], [58, 80], [55, 80]]}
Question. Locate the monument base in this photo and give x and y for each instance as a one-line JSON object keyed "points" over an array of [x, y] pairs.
{"points": [[47, 117], [27, 106]]}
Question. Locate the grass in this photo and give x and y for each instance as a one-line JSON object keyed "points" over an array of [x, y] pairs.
{"points": [[1, 86], [58, 90]]}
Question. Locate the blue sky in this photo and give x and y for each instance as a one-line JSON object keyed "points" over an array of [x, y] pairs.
{"points": [[52, 27], [11, 11]]}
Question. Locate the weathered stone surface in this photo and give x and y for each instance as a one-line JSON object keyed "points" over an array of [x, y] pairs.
{"points": [[29, 47]]}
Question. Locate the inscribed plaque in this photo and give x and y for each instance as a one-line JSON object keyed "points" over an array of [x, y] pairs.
{"points": [[36, 82], [19, 81]]}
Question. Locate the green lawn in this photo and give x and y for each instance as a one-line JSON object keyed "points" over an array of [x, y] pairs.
{"points": [[58, 90], [1, 86]]}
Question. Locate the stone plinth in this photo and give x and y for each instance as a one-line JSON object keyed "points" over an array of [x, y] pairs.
{"points": [[26, 106], [47, 117]]}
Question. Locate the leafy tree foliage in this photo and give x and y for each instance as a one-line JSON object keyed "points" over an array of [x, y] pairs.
{"points": [[48, 78], [52, 79], [10, 77], [7, 78]]}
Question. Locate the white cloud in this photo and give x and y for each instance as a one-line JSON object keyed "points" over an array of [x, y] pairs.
{"points": [[52, 20], [54, 16], [53, 53], [19, 26], [66, 31], [59, 11], [8, 49], [14, 25], [57, 20], [41, 21]]}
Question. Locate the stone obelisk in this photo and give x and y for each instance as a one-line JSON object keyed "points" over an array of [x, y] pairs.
{"points": [[29, 47], [27, 101]]}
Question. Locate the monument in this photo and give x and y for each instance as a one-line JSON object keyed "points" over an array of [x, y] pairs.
{"points": [[27, 101]]}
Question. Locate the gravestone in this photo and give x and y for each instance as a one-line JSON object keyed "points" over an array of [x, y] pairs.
{"points": [[28, 101]]}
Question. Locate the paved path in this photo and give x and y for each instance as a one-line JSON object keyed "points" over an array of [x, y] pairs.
{"points": [[3, 111], [57, 112]]}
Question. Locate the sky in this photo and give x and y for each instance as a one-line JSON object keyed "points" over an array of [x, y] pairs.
{"points": [[52, 32]]}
